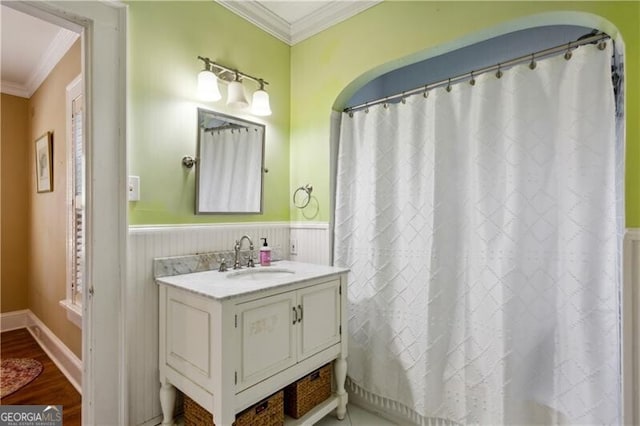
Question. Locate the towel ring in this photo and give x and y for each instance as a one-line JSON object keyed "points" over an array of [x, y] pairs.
{"points": [[301, 204]]}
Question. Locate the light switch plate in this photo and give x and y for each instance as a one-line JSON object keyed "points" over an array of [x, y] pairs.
{"points": [[134, 188]]}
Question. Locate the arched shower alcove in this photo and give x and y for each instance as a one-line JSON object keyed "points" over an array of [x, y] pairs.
{"points": [[499, 36], [510, 40]]}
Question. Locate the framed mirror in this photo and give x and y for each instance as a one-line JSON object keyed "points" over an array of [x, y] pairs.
{"points": [[229, 175]]}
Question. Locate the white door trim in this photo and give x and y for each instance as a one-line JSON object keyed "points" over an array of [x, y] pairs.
{"points": [[103, 27]]}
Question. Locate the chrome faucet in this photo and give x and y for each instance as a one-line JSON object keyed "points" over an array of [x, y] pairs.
{"points": [[236, 249]]}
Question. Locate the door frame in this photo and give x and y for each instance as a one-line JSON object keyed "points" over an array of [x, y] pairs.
{"points": [[103, 28]]}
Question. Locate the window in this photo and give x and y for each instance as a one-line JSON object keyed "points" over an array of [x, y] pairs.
{"points": [[75, 202]]}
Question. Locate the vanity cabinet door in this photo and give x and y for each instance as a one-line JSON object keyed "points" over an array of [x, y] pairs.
{"points": [[319, 308], [187, 321], [266, 338]]}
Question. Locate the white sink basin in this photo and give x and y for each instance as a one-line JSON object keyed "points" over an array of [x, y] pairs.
{"points": [[258, 274]]}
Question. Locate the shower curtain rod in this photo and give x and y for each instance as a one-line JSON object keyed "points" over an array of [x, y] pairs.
{"points": [[496, 67]]}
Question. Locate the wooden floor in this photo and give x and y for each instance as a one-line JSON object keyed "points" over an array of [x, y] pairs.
{"points": [[51, 387]]}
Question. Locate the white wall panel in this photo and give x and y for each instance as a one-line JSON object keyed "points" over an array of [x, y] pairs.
{"points": [[631, 328], [312, 242], [145, 244]]}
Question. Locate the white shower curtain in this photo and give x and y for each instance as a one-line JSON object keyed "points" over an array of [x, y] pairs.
{"points": [[482, 229]]}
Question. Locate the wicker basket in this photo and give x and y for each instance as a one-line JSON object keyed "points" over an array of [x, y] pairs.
{"points": [[269, 412], [195, 415], [304, 394]]}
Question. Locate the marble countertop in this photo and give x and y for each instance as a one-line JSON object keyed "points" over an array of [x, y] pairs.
{"points": [[225, 285]]}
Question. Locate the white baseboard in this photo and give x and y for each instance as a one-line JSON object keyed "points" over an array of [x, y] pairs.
{"points": [[14, 320], [66, 361]]}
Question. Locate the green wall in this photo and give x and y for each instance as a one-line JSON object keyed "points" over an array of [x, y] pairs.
{"points": [[327, 68], [308, 81], [165, 39]]}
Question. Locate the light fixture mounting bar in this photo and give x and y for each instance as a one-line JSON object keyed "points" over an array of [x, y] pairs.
{"points": [[221, 69]]}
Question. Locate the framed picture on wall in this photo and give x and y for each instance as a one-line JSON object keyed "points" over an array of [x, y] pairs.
{"points": [[44, 163]]}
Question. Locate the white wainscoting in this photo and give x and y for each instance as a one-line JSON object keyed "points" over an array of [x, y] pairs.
{"points": [[312, 242], [631, 327], [145, 244]]}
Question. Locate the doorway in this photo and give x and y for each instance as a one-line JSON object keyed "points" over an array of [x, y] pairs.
{"points": [[39, 59], [103, 29]]}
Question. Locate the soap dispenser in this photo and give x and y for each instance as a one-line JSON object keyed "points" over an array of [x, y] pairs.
{"points": [[265, 253]]}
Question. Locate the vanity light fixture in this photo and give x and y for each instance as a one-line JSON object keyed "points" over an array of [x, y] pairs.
{"points": [[235, 94], [213, 73], [208, 85], [260, 102]]}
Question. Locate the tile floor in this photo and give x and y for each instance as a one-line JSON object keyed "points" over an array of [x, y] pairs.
{"points": [[356, 416]]}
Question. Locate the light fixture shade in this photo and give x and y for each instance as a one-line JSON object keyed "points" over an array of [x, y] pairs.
{"points": [[260, 103], [208, 86], [235, 95]]}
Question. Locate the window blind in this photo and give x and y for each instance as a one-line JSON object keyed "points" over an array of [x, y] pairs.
{"points": [[78, 201]]}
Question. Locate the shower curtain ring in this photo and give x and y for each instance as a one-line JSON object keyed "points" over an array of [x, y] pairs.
{"points": [[449, 85], [426, 91], [602, 45], [404, 99], [366, 108], [532, 64], [568, 53], [473, 80], [499, 72]]}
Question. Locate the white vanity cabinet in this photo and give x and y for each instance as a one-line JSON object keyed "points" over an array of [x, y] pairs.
{"points": [[282, 330], [228, 353]]}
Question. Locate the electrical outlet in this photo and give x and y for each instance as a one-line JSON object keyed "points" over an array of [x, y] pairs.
{"points": [[294, 247]]}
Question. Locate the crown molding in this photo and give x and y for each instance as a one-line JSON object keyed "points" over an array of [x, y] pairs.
{"points": [[327, 16], [331, 13], [61, 43], [261, 17], [59, 46], [11, 88]]}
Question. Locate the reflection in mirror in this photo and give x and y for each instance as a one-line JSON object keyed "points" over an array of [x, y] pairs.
{"points": [[230, 164]]}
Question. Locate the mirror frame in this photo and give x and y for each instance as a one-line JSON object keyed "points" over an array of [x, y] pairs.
{"points": [[199, 161]]}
